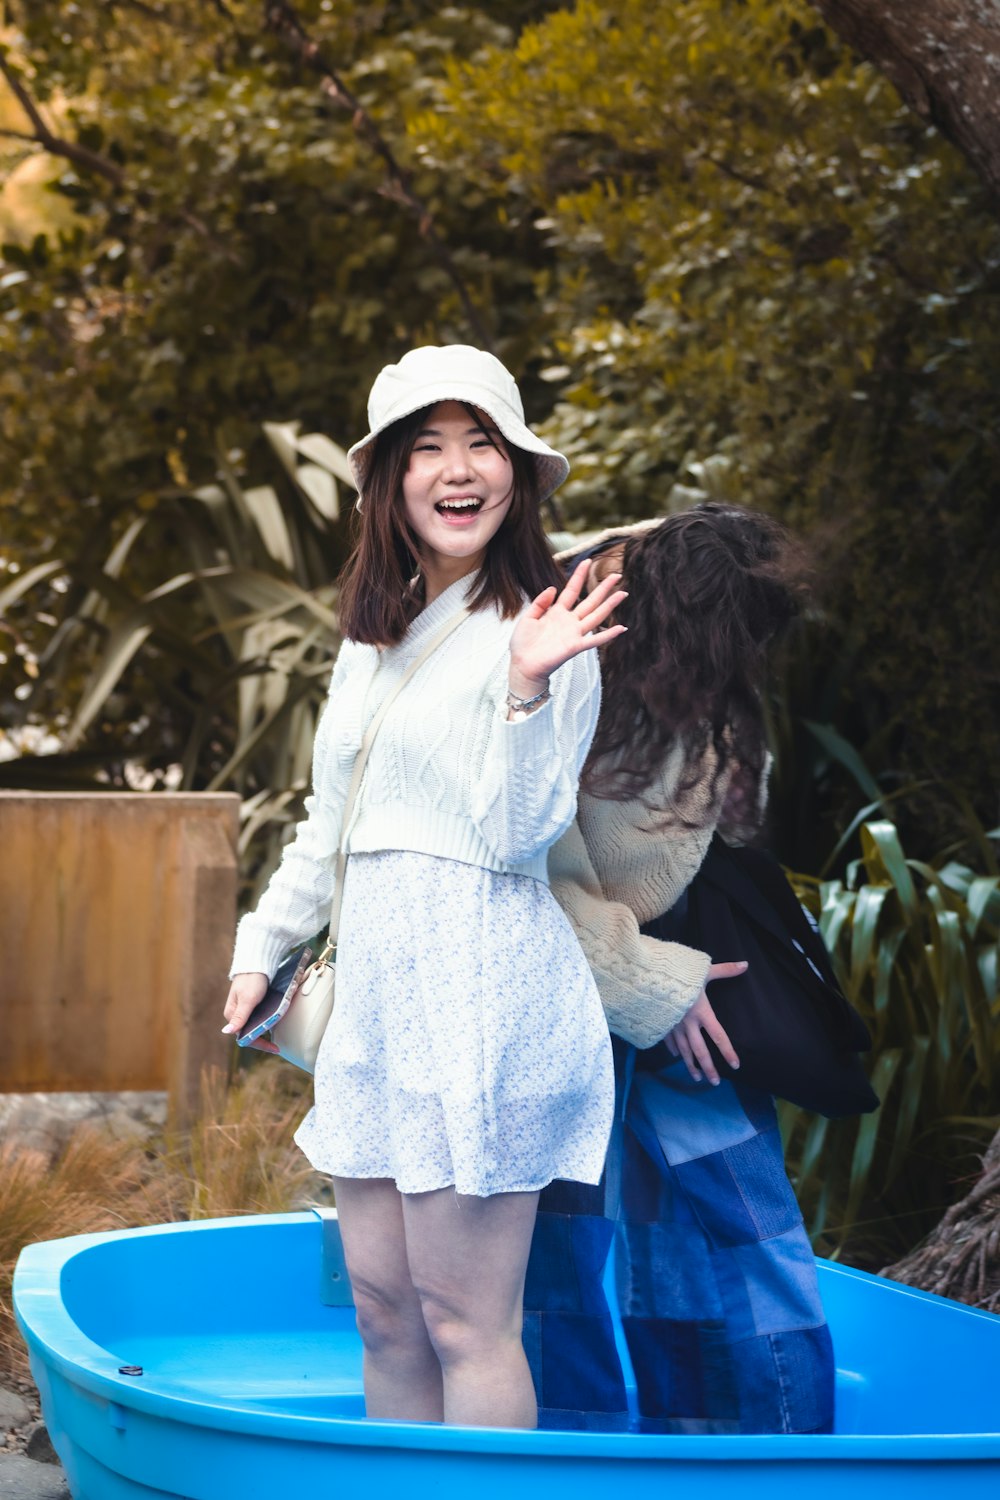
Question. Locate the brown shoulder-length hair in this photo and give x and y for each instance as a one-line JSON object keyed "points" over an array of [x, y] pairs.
{"points": [[378, 597], [709, 590]]}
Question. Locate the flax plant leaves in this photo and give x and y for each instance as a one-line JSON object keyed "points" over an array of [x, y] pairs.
{"points": [[915, 946]]}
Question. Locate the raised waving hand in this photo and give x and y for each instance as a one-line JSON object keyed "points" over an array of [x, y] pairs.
{"points": [[558, 626]]}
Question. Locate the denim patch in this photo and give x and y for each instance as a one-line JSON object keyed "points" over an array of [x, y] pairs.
{"points": [[568, 1333], [742, 1194], [566, 1263], [576, 1371], [780, 1279], [778, 1386], [757, 1106], [572, 1198], [689, 1121], [683, 1370], [665, 1271]]}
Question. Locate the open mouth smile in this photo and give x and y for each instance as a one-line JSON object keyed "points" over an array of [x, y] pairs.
{"points": [[462, 505]]}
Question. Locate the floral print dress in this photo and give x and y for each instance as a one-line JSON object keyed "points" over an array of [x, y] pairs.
{"points": [[468, 1045]]}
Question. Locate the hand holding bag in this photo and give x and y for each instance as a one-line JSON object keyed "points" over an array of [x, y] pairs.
{"points": [[300, 1031], [795, 1032]]}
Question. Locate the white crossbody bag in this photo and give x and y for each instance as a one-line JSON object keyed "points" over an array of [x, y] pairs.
{"points": [[298, 1034]]}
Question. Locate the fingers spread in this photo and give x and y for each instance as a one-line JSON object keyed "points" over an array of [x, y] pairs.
{"points": [[703, 1058], [590, 614], [726, 971], [684, 1048], [598, 595], [602, 637], [574, 587]]}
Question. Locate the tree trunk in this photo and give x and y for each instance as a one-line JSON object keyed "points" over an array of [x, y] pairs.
{"points": [[944, 58]]}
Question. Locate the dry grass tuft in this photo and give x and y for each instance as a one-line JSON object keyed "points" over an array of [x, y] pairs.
{"points": [[236, 1158], [97, 1183]]}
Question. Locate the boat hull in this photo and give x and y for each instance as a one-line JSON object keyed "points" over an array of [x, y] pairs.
{"points": [[251, 1385]]}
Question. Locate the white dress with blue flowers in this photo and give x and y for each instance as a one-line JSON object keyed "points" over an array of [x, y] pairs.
{"points": [[468, 1045]]}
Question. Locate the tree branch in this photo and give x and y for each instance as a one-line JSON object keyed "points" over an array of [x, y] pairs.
{"points": [[90, 161], [283, 19], [22, 96]]}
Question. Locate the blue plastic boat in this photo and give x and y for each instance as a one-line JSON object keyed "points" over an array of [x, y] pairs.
{"points": [[250, 1386]]}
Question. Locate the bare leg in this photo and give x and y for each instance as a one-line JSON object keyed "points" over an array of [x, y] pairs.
{"points": [[402, 1374], [467, 1258]]}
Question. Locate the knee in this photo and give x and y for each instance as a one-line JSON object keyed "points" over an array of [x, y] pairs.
{"points": [[387, 1318], [458, 1331]]}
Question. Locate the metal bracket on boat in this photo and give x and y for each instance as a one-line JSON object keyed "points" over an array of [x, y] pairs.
{"points": [[334, 1282]]}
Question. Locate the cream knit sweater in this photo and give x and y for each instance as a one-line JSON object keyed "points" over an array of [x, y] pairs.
{"points": [[619, 866], [448, 774]]}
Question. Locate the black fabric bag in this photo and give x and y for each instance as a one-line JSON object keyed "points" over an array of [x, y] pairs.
{"points": [[796, 1034]]}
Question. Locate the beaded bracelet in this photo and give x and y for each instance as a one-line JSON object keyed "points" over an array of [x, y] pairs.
{"points": [[522, 707]]}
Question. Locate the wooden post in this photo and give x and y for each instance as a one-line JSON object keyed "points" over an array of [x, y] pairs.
{"points": [[117, 914]]}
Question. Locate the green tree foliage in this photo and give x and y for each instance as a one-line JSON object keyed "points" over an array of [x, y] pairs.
{"points": [[726, 257], [246, 265], [212, 677], [237, 257], [768, 278]]}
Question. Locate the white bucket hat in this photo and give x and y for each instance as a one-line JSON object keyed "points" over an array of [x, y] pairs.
{"points": [[454, 372]]}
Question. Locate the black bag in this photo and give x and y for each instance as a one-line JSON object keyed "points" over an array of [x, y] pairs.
{"points": [[795, 1032]]}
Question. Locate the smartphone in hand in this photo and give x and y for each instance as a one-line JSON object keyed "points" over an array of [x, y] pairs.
{"points": [[279, 997]]}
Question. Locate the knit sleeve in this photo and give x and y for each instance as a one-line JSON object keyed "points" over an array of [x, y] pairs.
{"points": [[296, 902], [528, 771], [646, 986]]}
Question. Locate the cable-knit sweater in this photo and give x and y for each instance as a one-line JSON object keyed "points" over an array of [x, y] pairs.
{"points": [[448, 774], [620, 865]]}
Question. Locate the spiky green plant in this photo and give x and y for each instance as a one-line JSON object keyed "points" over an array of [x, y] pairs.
{"points": [[915, 947], [212, 676]]}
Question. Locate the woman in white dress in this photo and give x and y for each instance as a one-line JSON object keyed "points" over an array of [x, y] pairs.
{"points": [[468, 1062]]}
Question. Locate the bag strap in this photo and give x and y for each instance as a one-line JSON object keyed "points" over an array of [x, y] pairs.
{"points": [[361, 762]]}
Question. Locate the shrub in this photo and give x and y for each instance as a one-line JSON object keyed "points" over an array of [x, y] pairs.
{"points": [[915, 947]]}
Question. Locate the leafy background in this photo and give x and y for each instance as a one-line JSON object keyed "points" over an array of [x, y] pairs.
{"points": [[725, 259]]}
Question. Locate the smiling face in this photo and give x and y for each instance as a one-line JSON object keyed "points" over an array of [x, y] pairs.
{"points": [[457, 491]]}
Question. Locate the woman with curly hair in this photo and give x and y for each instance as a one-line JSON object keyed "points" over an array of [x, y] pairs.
{"points": [[716, 1277]]}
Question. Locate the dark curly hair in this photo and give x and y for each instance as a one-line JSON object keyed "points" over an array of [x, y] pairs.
{"points": [[709, 590]]}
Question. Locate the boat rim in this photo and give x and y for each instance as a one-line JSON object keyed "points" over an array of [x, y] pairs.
{"points": [[53, 1336]]}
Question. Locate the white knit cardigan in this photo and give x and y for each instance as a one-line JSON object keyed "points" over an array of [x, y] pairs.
{"points": [[448, 774]]}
